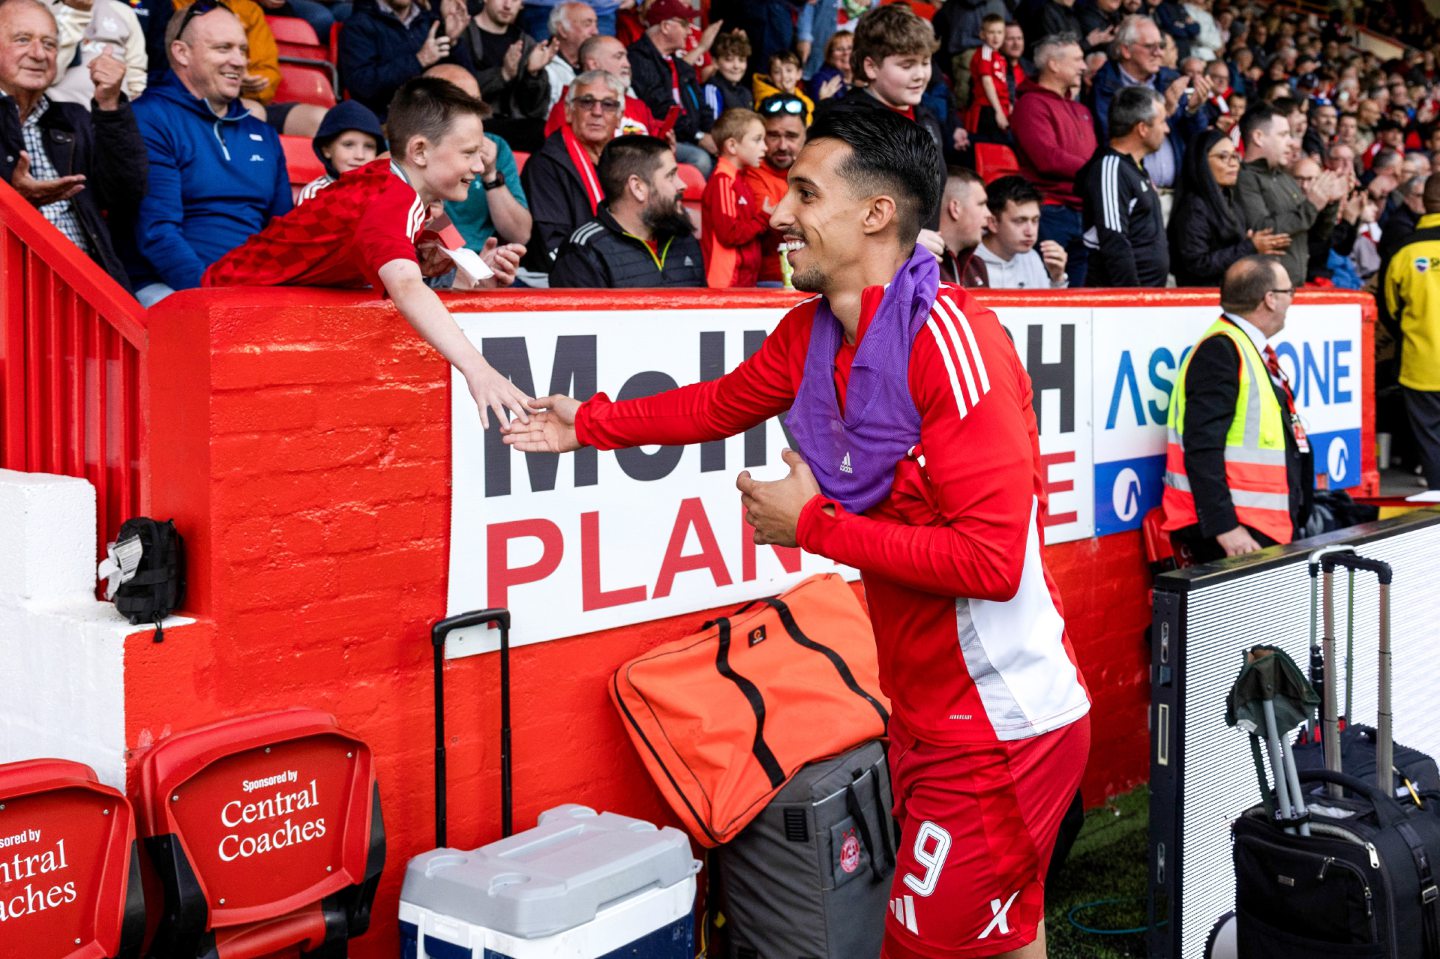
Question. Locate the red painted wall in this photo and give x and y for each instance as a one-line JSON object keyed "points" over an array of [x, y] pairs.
{"points": [[300, 439]]}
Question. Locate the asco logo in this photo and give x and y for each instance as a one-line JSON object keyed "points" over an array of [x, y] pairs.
{"points": [[1125, 495], [1338, 459]]}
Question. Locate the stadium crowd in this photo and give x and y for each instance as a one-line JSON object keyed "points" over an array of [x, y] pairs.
{"points": [[1112, 143]]}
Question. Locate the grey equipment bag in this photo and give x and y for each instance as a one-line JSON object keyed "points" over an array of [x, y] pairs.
{"points": [[809, 878]]}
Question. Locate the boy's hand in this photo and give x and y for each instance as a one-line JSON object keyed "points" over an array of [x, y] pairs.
{"points": [[504, 261], [433, 261], [495, 393], [551, 429]]}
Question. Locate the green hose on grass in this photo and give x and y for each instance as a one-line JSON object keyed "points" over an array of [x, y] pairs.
{"points": [[1093, 931]]}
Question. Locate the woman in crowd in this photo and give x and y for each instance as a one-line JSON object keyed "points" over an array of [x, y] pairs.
{"points": [[833, 79], [1207, 228]]}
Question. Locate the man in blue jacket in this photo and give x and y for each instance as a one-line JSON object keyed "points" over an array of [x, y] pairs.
{"points": [[217, 174], [1137, 63]]}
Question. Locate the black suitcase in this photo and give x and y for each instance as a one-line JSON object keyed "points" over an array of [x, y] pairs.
{"points": [[1363, 883], [810, 876]]}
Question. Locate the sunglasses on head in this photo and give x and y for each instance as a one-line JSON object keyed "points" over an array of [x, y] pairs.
{"points": [[198, 9], [775, 105]]}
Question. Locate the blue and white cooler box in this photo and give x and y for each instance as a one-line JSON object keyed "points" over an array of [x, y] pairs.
{"points": [[580, 885]]}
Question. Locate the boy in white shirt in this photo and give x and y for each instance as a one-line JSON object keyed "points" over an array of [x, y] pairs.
{"points": [[1009, 248]]}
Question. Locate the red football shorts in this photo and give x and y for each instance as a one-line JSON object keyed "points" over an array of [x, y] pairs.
{"points": [[977, 827]]}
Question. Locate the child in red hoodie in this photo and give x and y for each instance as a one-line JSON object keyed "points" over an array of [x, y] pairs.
{"points": [[734, 220]]}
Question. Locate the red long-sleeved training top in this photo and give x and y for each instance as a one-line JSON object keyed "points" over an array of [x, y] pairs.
{"points": [[968, 622]]}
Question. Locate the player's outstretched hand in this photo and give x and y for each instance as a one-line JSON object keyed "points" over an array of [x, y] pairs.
{"points": [[773, 509], [503, 260], [495, 393], [551, 428]]}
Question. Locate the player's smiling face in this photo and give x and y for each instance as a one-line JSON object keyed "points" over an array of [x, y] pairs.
{"points": [[454, 162], [820, 219]]}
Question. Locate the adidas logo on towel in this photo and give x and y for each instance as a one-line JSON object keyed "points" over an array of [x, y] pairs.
{"points": [[903, 908], [845, 465]]}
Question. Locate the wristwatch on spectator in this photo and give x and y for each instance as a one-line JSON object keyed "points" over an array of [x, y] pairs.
{"points": [[496, 183]]}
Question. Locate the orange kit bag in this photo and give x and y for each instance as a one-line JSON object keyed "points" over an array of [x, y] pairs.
{"points": [[724, 717]]}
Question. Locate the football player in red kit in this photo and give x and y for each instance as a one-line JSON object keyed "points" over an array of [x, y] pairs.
{"points": [[918, 464]]}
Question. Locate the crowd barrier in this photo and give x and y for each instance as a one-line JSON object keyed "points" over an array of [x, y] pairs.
{"points": [[332, 485]]}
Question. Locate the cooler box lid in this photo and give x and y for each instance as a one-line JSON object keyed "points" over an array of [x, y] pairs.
{"points": [[551, 878]]}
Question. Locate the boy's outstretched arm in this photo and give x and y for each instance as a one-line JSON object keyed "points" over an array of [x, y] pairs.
{"points": [[422, 308]]}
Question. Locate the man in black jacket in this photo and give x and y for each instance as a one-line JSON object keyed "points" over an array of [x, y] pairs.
{"points": [[1124, 229], [561, 179], [662, 79], [511, 70], [1201, 510], [75, 165], [641, 237]]}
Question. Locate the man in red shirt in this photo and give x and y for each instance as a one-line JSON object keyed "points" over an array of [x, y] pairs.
{"points": [[918, 465], [363, 231]]}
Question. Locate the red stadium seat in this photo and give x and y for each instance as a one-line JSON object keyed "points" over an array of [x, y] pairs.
{"points": [[293, 30], [994, 160], [302, 83], [520, 158], [694, 183], [925, 10], [301, 163], [296, 42]]}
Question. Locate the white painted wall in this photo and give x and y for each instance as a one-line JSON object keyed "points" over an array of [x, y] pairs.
{"points": [[61, 652]]}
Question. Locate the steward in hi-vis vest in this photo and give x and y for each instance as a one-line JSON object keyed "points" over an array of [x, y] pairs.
{"points": [[1410, 287], [1237, 465]]}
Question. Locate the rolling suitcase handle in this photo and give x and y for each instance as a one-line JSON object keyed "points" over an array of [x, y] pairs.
{"points": [[1384, 743], [438, 632]]}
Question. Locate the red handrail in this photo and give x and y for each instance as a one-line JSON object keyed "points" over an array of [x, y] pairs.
{"points": [[72, 364]]}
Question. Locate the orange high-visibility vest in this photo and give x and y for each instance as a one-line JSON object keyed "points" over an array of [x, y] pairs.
{"points": [[1255, 468]]}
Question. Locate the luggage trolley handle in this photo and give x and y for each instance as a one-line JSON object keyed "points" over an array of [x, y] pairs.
{"points": [[1384, 743], [438, 634]]}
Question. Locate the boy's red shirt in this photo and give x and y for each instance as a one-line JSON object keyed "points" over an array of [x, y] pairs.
{"points": [[342, 237], [732, 228]]}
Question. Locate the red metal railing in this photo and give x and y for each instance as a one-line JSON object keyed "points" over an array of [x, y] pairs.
{"points": [[72, 360]]}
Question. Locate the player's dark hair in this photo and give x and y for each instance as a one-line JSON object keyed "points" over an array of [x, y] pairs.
{"points": [[627, 156], [889, 154], [1010, 189], [427, 107]]}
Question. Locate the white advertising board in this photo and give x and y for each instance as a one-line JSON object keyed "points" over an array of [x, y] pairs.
{"points": [[592, 540]]}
